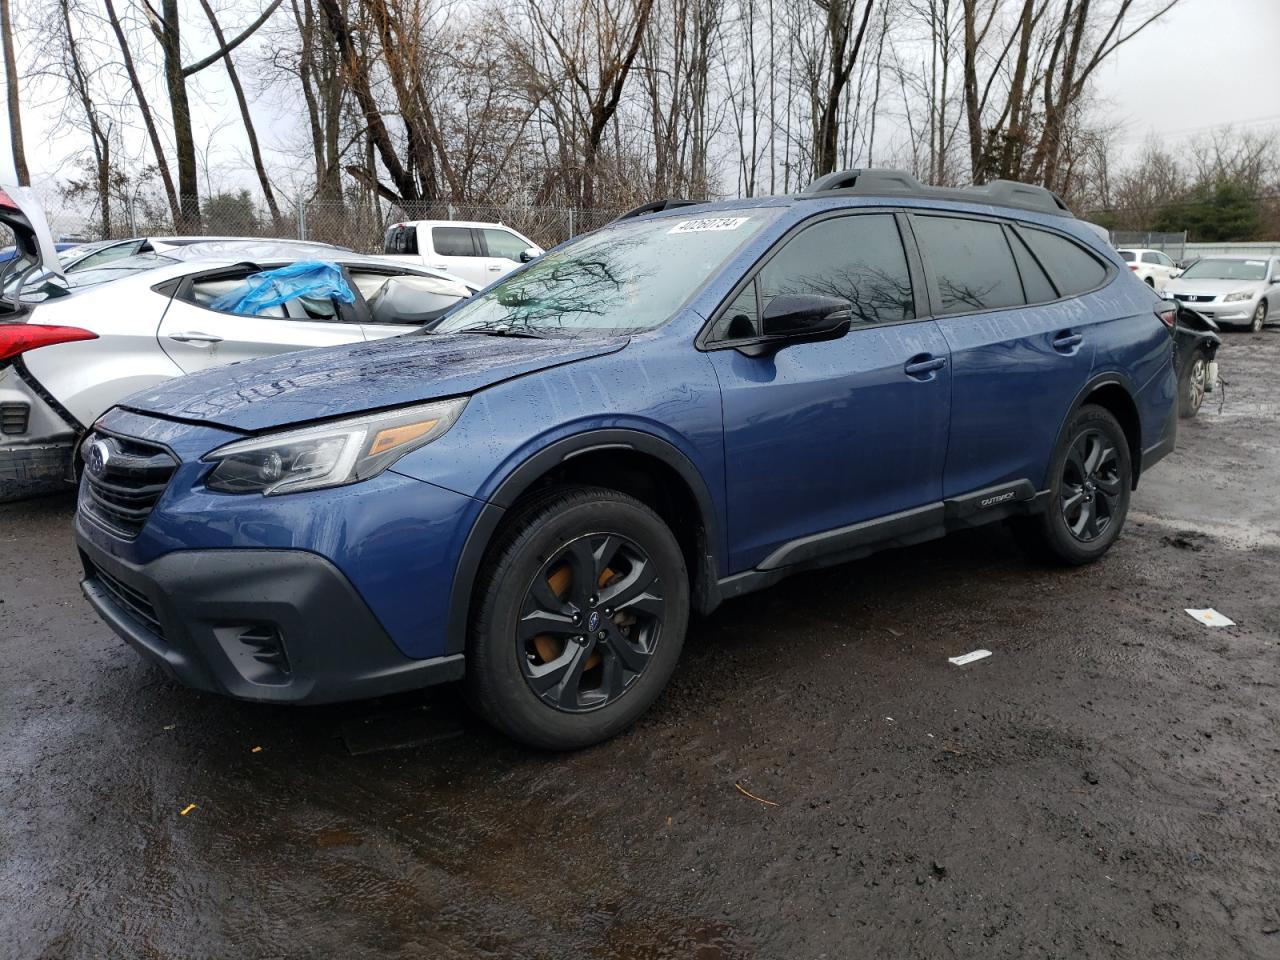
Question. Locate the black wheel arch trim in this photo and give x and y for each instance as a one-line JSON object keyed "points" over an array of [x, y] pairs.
{"points": [[537, 465], [1116, 379]]}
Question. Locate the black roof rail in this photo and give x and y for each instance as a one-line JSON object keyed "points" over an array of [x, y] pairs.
{"points": [[657, 206], [877, 182]]}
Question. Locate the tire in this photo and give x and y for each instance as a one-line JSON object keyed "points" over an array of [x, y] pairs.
{"points": [[1259, 317], [1062, 533], [594, 666], [1150, 282], [1191, 384]]}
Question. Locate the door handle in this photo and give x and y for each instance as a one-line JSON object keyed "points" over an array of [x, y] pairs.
{"points": [[923, 366], [1066, 340], [495, 267], [195, 336]]}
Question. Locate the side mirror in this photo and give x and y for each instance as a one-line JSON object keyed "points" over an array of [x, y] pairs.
{"points": [[800, 318], [529, 253], [1175, 274]]}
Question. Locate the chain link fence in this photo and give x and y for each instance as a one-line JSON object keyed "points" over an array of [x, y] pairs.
{"points": [[1173, 245], [359, 225]]}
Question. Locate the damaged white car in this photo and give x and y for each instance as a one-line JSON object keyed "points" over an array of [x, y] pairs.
{"points": [[73, 345]]}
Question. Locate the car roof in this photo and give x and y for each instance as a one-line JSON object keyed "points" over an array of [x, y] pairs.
{"points": [[471, 224]]}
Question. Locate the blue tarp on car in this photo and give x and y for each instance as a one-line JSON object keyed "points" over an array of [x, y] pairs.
{"points": [[310, 279]]}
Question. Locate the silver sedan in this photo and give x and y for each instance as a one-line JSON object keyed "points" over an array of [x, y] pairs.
{"points": [[1231, 290]]}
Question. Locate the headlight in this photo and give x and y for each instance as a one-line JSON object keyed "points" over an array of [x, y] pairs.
{"points": [[331, 454], [1239, 295]]}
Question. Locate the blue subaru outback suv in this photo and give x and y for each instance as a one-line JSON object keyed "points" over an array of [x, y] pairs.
{"points": [[682, 407]]}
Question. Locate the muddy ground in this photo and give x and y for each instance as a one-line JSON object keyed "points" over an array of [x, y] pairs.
{"points": [[1106, 785]]}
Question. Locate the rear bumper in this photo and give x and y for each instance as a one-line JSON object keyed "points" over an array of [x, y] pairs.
{"points": [[267, 625], [35, 468], [37, 442]]}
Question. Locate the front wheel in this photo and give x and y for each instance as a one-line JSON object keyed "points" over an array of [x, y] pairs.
{"points": [[1090, 478], [579, 618], [1259, 317]]}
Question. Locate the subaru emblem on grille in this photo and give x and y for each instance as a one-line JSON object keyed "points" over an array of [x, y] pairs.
{"points": [[99, 457]]}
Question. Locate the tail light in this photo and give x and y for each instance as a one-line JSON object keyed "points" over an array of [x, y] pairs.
{"points": [[1133, 267], [1168, 316], [18, 338]]}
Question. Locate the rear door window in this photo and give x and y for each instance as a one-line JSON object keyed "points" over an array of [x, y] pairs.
{"points": [[454, 242], [971, 263], [1073, 269]]}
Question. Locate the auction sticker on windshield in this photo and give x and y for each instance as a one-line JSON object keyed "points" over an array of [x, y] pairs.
{"points": [[709, 224]]}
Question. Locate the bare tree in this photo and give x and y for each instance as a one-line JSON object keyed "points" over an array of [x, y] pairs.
{"points": [[144, 109], [166, 27], [843, 34], [100, 140], [246, 117], [575, 63], [11, 85]]}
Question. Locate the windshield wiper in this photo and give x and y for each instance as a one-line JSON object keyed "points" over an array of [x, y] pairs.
{"points": [[505, 331]]}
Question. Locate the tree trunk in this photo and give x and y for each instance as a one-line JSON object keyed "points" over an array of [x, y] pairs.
{"points": [[259, 167], [357, 75], [167, 31], [843, 58], [148, 119], [15, 110]]}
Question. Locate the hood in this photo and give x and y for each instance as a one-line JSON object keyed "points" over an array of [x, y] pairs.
{"points": [[21, 212], [294, 388], [1216, 287]]}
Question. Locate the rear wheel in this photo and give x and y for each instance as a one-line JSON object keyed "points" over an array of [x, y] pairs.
{"points": [[579, 618], [1191, 386], [1090, 477]]}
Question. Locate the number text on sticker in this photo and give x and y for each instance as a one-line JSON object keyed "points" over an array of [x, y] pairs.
{"points": [[708, 224]]}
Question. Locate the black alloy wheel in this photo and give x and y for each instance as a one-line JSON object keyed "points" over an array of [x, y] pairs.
{"points": [[1090, 480], [578, 618], [590, 622], [1091, 485]]}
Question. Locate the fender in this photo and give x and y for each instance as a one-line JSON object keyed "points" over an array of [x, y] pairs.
{"points": [[1106, 378], [536, 466]]}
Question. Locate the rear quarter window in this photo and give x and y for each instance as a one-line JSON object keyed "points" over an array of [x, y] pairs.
{"points": [[1073, 269]]}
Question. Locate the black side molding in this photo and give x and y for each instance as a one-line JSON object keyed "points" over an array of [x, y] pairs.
{"points": [[929, 522]]}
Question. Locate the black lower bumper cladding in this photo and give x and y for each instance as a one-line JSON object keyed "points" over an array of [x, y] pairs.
{"points": [[272, 625]]}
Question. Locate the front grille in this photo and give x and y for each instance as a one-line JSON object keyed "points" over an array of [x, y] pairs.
{"points": [[13, 418], [123, 479], [134, 603], [1194, 297]]}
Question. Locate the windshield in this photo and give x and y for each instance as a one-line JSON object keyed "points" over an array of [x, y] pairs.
{"points": [[1224, 269], [1128, 256], [620, 280], [78, 251]]}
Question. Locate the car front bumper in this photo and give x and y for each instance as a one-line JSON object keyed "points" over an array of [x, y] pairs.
{"points": [[1237, 311], [311, 597], [268, 625]]}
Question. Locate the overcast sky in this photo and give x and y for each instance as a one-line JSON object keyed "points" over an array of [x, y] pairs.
{"points": [[1209, 63]]}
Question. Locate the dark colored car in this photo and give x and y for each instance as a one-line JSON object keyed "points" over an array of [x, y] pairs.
{"points": [[672, 411]]}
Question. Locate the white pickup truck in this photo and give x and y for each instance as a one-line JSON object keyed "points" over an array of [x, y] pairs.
{"points": [[478, 252]]}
